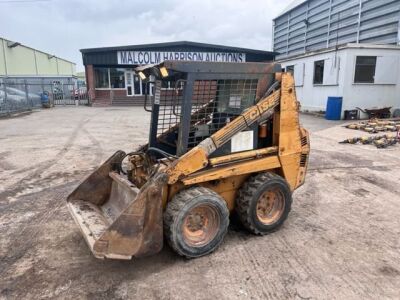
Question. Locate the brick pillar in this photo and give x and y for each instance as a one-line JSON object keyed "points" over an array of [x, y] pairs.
{"points": [[89, 71]]}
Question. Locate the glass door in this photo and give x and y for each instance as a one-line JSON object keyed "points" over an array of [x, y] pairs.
{"points": [[129, 83], [137, 85], [133, 83]]}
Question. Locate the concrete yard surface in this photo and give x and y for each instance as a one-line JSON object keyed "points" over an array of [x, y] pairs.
{"points": [[341, 240]]}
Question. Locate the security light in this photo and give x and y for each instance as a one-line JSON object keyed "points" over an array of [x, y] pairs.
{"points": [[142, 75], [164, 72]]}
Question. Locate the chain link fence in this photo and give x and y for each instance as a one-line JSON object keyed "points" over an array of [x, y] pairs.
{"points": [[18, 95]]}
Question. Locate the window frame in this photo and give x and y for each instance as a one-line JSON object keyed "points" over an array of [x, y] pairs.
{"points": [[322, 74], [109, 82], [109, 79], [355, 69], [171, 86], [290, 67]]}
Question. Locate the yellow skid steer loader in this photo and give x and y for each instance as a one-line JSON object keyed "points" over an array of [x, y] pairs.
{"points": [[224, 138]]}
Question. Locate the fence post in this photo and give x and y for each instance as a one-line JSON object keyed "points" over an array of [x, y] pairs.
{"points": [[6, 106], [42, 84], [27, 95]]}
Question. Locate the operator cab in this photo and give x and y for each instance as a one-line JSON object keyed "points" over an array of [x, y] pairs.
{"points": [[193, 100]]}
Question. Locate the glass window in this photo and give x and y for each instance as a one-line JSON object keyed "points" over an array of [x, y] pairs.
{"points": [[319, 72], [129, 84], [166, 84], [137, 85], [101, 78], [365, 69], [171, 85], [117, 78]]}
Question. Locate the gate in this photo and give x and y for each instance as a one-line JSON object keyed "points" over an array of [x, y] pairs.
{"points": [[18, 94], [69, 94]]}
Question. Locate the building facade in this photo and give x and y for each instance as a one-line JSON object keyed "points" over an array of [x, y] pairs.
{"points": [[321, 24], [364, 75], [110, 73]]}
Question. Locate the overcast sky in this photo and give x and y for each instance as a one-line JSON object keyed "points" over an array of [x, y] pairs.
{"points": [[62, 27]]}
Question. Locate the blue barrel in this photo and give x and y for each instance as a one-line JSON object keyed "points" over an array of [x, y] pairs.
{"points": [[334, 108], [44, 97]]}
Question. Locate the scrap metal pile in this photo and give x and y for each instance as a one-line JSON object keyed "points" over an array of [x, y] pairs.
{"points": [[376, 126], [380, 141]]}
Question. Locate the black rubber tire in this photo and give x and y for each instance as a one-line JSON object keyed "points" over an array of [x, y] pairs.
{"points": [[178, 208], [251, 191]]}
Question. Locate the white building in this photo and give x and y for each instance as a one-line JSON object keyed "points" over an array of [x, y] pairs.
{"points": [[366, 76]]}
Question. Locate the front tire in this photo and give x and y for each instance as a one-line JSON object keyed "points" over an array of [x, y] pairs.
{"points": [[264, 203], [196, 221]]}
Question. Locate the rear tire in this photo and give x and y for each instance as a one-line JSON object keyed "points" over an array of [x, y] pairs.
{"points": [[264, 203], [196, 221]]}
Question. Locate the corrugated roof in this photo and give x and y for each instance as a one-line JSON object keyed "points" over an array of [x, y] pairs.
{"points": [[291, 6]]}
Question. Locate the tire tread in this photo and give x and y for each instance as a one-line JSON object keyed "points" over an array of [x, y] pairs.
{"points": [[175, 206], [245, 197]]}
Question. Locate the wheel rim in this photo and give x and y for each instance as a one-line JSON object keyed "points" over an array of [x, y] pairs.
{"points": [[201, 225], [270, 206]]}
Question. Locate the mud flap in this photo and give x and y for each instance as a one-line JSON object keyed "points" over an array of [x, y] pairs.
{"points": [[117, 219]]}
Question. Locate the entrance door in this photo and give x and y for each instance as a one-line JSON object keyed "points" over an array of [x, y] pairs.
{"points": [[129, 83], [133, 84]]}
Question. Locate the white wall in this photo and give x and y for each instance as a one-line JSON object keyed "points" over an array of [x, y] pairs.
{"points": [[339, 79], [386, 89], [313, 97]]}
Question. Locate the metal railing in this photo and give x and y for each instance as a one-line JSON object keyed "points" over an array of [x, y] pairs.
{"points": [[18, 95]]}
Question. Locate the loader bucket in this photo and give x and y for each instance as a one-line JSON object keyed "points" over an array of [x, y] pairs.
{"points": [[117, 219]]}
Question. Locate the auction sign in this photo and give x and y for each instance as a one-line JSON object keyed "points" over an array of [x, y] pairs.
{"points": [[156, 57]]}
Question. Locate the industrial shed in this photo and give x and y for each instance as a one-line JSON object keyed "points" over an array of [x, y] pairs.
{"points": [[320, 24], [23, 62]]}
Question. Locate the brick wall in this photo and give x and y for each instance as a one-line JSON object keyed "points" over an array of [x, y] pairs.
{"points": [[203, 91], [89, 71]]}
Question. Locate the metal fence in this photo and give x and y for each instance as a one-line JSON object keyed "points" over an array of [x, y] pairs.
{"points": [[17, 95]]}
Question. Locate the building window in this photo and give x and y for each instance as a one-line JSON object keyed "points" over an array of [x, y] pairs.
{"points": [[319, 72], [365, 69], [101, 78], [137, 85], [290, 69], [171, 85], [117, 78]]}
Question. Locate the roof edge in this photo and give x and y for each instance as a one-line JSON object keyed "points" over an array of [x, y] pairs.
{"points": [[176, 43], [290, 8], [338, 48]]}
